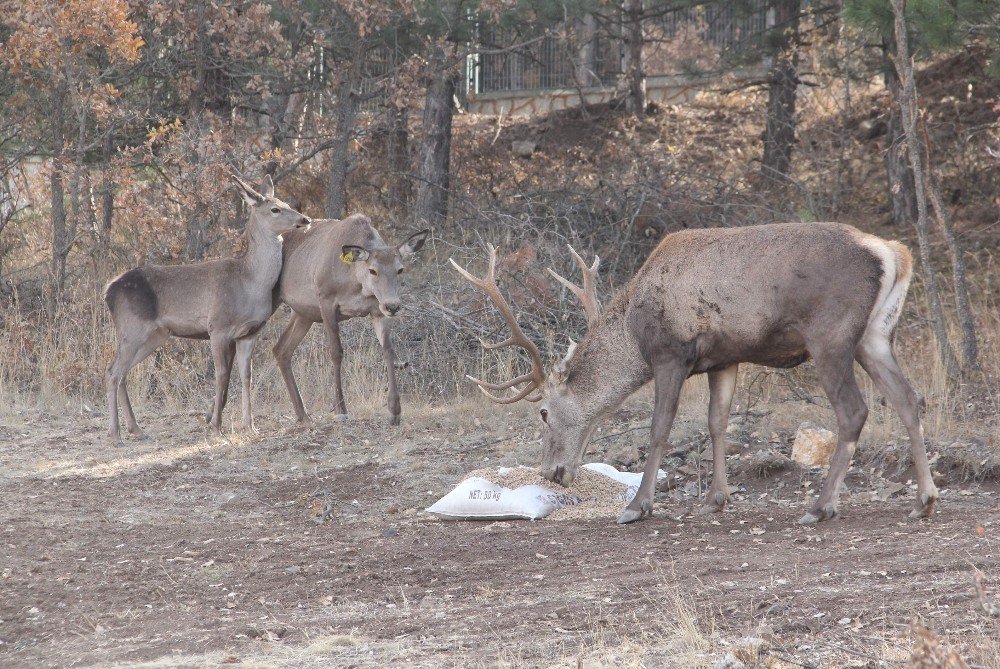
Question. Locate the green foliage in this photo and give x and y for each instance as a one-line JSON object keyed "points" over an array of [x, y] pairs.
{"points": [[934, 25]]}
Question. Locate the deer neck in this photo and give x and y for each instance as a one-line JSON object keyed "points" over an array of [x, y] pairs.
{"points": [[262, 261], [607, 366]]}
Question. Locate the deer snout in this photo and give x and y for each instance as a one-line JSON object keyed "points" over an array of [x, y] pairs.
{"points": [[558, 474], [391, 308], [304, 222]]}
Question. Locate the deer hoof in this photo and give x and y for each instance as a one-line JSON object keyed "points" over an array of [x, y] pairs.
{"points": [[709, 508], [340, 418], [631, 515], [395, 421], [138, 434], [249, 429], [925, 505], [714, 503], [818, 514]]}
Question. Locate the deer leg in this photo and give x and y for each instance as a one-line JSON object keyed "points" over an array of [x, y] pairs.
{"points": [[283, 351], [721, 386], [836, 374], [112, 381], [126, 405], [223, 350], [878, 360], [131, 351], [244, 365], [336, 357], [383, 330], [668, 379]]}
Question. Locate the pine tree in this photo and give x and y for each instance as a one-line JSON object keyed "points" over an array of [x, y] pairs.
{"points": [[933, 26]]}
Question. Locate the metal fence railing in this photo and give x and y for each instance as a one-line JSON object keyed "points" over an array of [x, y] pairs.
{"points": [[510, 62], [677, 40]]}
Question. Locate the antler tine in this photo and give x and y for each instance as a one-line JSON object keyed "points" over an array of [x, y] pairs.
{"points": [[490, 278], [536, 377], [490, 346], [520, 395], [587, 294], [502, 386]]}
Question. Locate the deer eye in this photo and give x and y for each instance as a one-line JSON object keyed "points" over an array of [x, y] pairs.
{"points": [[275, 210], [400, 271], [373, 272], [544, 413]]}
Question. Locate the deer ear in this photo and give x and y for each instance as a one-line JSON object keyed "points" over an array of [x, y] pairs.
{"points": [[351, 254], [251, 196], [267, 188], [413, 243]]}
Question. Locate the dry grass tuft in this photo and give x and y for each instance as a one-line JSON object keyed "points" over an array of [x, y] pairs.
{"points": [[766, 462], [930, 652]]}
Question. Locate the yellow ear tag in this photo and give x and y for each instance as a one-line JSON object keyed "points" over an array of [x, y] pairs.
{"points": [[347, 257]]}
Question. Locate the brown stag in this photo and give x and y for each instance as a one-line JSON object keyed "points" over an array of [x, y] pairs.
{"points": [[704, 302]]}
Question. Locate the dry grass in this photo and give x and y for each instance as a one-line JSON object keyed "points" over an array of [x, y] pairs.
{"points": [[665, 629], [673, 634]]}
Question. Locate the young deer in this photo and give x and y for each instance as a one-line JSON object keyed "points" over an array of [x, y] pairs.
{"points": [[707, 300], [226, 301], [341, 269]]}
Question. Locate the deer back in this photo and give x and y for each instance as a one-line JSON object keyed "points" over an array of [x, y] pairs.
{"points": [[184, 299], [753, 294]]}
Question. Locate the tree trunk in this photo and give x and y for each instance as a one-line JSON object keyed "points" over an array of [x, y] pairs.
{"points": [[107, 188], [196, 233], [340, 153], [635, 78], [60, 243], [783, 81], [908, 109], [398, 158], [970, 345], [80, 191], [285, 114], [899, 174], [431, 206]]}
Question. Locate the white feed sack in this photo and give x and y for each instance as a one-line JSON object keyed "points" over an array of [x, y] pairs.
{"points": [[509, 493]]}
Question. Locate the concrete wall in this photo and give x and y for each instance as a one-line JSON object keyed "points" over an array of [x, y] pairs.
{"points": [[667, 89]]}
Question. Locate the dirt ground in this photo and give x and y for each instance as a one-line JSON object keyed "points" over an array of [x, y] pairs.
{"points": [[309, 547]]}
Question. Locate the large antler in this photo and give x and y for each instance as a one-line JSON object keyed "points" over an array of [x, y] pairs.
{"points": [[588, 293], [536, 377]]}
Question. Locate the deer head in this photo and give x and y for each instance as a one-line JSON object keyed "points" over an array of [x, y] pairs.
{"points": [[270, 214], [378, 269], [567, 417]]}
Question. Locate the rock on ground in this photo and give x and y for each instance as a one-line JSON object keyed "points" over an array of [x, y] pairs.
{"points": [[813, 445], [523, 148]]}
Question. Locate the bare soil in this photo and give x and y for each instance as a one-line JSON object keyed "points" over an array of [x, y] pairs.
{"points": [[310, 547]]}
